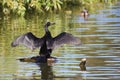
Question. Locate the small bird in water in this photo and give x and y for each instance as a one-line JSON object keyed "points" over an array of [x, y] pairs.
{"points": [[46, 43], [84, 13]]}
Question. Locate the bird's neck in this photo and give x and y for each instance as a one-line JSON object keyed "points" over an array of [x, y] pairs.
{"points": [[46, 29], [47, 32]]}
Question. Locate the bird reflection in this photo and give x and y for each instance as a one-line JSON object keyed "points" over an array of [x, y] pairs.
{"points": [[46, 43], [46, 71]]}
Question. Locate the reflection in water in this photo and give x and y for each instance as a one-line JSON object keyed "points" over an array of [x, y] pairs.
{"points": [[46, 71]]}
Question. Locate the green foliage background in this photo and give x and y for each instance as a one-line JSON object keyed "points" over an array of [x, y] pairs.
{"points": [[21, 7]]}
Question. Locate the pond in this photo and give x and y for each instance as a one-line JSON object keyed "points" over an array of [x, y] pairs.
{"points": [[100, 36]]}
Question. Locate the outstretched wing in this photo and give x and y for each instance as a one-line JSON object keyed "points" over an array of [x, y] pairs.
{"points": [[28, 40], [65, 38]]}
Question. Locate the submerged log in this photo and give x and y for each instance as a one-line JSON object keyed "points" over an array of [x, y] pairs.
{"points": [[38, 59]]}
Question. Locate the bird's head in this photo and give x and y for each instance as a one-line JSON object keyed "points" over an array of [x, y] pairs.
{"points": [[49, 24]]}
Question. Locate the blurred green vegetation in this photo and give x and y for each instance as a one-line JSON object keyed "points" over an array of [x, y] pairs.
{"points": [[22, 7]]}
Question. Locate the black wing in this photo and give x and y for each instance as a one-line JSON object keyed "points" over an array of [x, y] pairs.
{"points": [[65, 38], [28, 40]]}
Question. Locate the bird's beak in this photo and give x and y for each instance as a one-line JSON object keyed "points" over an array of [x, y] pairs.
{"points": [[52, 23]]}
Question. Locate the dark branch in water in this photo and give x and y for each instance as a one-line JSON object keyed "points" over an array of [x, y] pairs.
{"points": [[82, 64]]}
